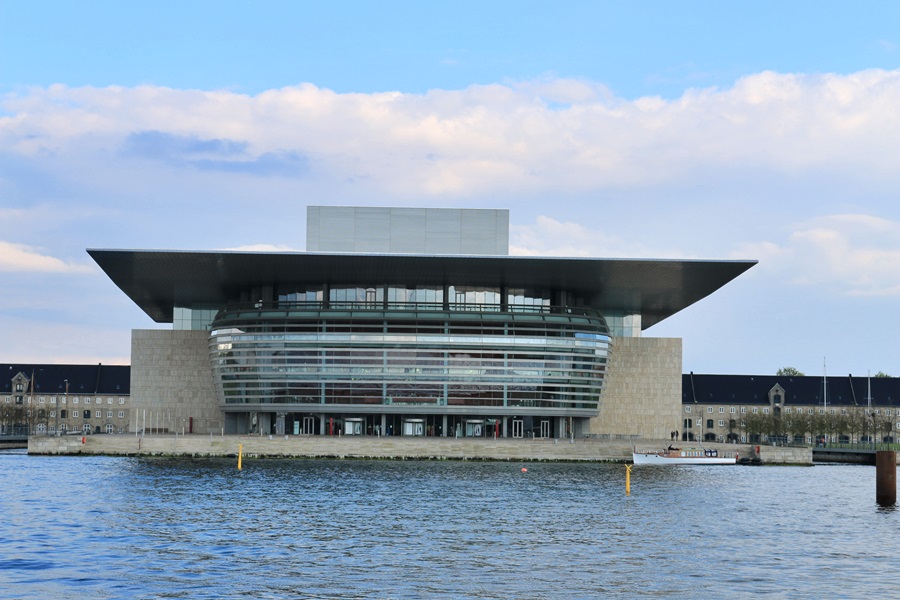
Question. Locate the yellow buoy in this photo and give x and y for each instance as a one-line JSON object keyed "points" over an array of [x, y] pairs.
{"points": [[240, 455]]}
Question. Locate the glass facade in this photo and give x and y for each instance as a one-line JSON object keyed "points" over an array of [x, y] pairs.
{"points": [[421, 348], [193, 318]]}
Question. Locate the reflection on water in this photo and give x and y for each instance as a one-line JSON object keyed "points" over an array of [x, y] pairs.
{"points": [[181, 528]]}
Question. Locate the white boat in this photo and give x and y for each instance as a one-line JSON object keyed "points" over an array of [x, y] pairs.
{"points": [[683, 456]]}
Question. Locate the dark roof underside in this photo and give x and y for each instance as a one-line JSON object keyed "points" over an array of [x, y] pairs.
{"points": [[158, 280]]}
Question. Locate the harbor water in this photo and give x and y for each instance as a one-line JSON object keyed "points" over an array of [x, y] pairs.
{"points": [[104, 527]]}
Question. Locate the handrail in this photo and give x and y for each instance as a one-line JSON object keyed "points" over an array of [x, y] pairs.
{"points": [[392, 306]]}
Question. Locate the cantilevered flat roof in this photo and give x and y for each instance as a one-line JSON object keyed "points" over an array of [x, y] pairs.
{"points": [[157, 280]]}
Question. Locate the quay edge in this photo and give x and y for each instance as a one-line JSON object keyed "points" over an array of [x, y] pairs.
{"points": [[397, 448]]}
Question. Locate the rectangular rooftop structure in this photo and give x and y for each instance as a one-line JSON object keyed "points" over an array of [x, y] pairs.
{"points": [[384, 230]]}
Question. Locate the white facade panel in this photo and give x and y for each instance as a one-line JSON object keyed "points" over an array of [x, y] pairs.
{"points": [[372, 229], [407, 230]]}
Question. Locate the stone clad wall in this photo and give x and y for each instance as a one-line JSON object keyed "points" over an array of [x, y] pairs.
{"points": [[171, 381], [642, 391]]}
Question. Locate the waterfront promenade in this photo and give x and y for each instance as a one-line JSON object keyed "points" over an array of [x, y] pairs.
{"points": [[400, 448]]}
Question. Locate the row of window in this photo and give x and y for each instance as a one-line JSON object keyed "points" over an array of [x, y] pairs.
{"points": [[688, 423], [41, 428], [64, 400], [709, 409], [755, 439], [395, 294], [98, 414]]}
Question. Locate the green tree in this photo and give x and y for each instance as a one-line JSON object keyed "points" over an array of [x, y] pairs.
{"points": [[880, 374], [757, 426], [789, 372]]}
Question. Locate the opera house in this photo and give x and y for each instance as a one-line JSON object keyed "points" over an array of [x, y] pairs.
{"points": [[412, 322]]}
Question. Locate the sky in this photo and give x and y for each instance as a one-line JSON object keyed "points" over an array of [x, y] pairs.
{"points": [[761, 130]]}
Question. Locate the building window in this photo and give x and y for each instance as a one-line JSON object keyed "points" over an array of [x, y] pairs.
{"points": [[52, 399], [109, 414], [121, 414], [121, 400], [765, 410], [109, 428], [687, 409], [109, 400], [87, 400], [709, 409], [809, 411], [787, 411], [42, 400], [19, 387], [52, 413], [75, 400], [87, 414], [709, 423], [732, 410], [843, 411], [743, 410], [755, 410], [721, 423], [62, 414]]}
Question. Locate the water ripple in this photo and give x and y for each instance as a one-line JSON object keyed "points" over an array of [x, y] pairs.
{"points": [[166, 528]]}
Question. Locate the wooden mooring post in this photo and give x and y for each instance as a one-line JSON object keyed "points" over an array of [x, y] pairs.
{"points": [[886, 477]]}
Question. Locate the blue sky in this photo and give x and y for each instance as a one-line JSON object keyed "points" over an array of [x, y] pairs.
{"points": [[633, 48], [746, 130]]}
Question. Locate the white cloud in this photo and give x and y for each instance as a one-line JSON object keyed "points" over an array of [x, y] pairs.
{"points": [[522, 138], [844, 255], [550, 237], [25, 259], [850, 254]]}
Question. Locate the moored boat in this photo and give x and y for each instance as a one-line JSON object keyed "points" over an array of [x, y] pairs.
{"points": [[683, 456]]}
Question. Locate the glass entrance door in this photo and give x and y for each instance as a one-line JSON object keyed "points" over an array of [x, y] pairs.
{"points": [[545, 428], [517, 428]]}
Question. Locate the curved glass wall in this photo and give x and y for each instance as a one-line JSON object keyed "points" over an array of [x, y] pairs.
{"points": [[347, 354]]}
